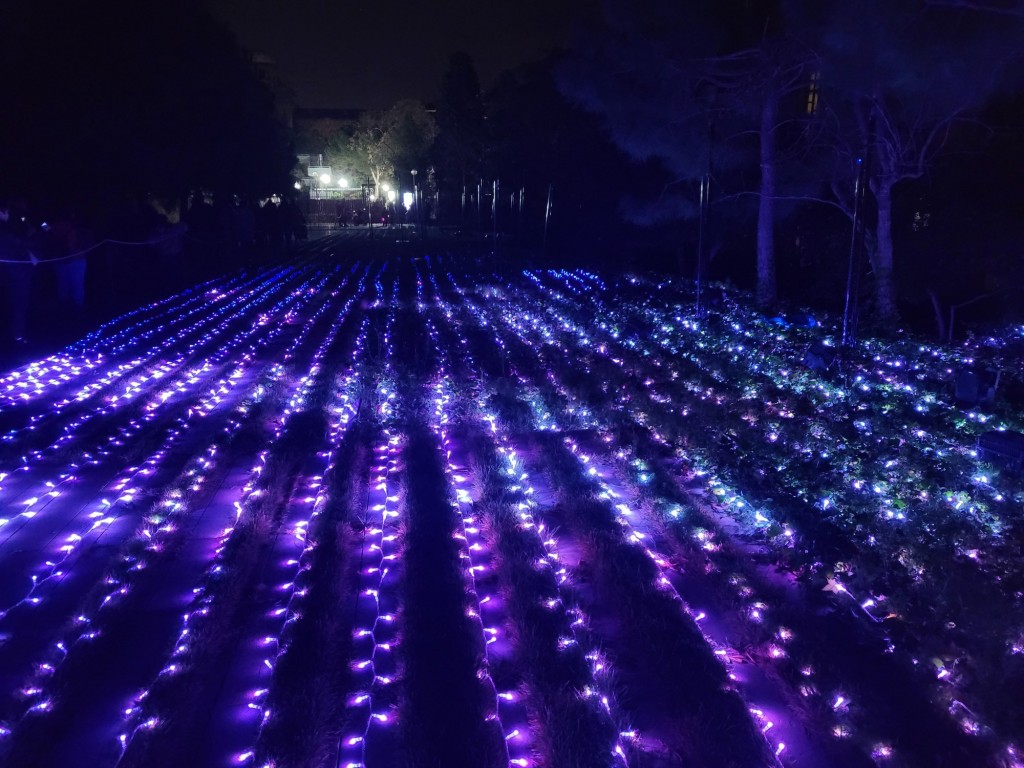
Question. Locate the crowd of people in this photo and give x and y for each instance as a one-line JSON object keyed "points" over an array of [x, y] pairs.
{"points": [[61, 264]]}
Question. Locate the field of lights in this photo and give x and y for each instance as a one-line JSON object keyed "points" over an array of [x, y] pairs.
{"points": [[396, 513]]}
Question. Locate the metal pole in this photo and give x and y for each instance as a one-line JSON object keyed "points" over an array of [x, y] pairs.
{"points": [[853, 249], [519, 218], [700, 238], [494, 213], [547, 217]]}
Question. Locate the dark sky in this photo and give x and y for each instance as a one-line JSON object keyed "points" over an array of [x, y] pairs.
{"points": [[369, 54]]}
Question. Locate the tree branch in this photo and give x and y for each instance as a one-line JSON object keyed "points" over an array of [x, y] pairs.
{"points": [[1012, 8], [801, 198]]}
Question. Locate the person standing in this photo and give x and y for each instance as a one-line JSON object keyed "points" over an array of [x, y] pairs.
{"points": [[17, 269], [72, 243]]}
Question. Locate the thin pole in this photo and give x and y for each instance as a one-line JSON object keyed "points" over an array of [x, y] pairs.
{"points": [[519, 219], [494, 213], [704, 182], [547, 217], [853, 250]]}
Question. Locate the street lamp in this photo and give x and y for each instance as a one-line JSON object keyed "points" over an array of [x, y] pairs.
{"points": [[325, 179], [390, 196], [343, 183]]}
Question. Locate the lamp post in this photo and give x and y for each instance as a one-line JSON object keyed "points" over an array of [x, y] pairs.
{"points": [[318, 185], [385, 195]]}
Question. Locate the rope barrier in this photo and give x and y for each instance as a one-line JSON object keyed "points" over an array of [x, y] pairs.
{"points": [[35, 260]]}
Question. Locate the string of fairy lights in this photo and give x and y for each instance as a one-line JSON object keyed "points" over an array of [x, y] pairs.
{"points": [[597, 691], [160, 375], [763, 519], [31, 386], [294, 553], [123, 486], [896, 378], [375, 632], [757, 610], [486, 608], [632, 523], [760, 518], [132, 322], [162, 522], [730, 445], [139, 716], [157, 526], [49, 490], [957, 459]]}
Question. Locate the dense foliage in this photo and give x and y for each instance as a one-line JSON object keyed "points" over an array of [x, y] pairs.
{"points": [[105, 101]]}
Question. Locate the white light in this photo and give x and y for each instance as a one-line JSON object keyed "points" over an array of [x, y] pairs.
{"points": [[343, 183], [325, 178], [407, 200]]}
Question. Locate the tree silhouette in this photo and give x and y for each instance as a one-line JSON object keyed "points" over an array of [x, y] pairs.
{"points": [[897, 77], [458, 152], [121, 98], [702, 87]]}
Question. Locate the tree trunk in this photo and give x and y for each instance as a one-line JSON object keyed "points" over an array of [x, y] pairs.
{"points": [[766, 289], [881, 258]]}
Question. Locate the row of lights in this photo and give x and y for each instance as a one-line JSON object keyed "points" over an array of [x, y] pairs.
{"points": [[486, 606], [762, 519], [137, 717], [293, 554], [598, 691], [150, 537], [757, 612]]}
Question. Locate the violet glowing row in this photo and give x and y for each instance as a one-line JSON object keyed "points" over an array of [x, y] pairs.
{"points": [[508, 712], [156, 529], [375, 664], [293, 553], [137, 716], [598, 692]]}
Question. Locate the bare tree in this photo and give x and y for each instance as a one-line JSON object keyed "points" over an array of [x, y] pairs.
{"points": [[898, 77], [395, 141], [704, 88]]}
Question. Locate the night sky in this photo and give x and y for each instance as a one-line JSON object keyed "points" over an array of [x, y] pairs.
{"points": [[359, 54]]}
